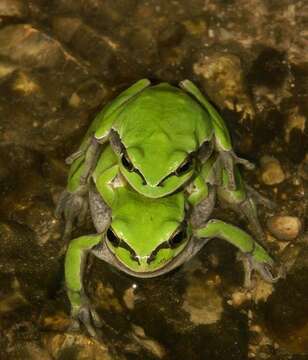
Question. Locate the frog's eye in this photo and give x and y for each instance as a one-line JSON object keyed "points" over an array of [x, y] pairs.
{"points": [[177, 239], [126, 162], [112, 238], [184, 167]]}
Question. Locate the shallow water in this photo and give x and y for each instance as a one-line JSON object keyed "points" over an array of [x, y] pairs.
{"points": [[59, 62]]}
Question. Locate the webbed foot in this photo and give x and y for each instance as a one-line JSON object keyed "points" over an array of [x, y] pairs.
{"points": [[259, 198], [268, 270], [72, 206], [86, 315]]}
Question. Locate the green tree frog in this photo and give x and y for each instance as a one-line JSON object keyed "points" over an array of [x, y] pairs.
{"points": [[161, 134], [147, 237]]}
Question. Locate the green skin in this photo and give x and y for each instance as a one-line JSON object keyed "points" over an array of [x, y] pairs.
{"points": [[162, 125], [163, 238]]}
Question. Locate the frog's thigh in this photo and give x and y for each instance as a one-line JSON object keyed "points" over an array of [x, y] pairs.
{"points": [[243, 203], [75, 260]]}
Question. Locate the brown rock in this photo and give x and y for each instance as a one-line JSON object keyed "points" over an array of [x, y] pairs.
{"points": [[223, 79], [13, 9], [271, 171], [30, 47], [284, 227]]}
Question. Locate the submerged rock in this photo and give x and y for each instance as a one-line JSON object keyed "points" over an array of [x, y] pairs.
{"points": [[13, 9], [271, 171], [284, 227], [223, 79], [28, 46], [203, 303]]}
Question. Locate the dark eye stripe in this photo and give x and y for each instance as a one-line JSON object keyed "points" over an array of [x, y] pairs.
{"points": [[179, 235], [117, 242], [190, 156]]}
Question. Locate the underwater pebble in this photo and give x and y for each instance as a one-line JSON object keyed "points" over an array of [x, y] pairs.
{"points": [[129, 298], [284, 227], [25, 85], [13, 9], [271, 171], [31, 47], [6, 70], [147, 343], [224, 82], [56, 322], [261, 291], [295, 120], [83, 347], [239, 297], [203, 303]]}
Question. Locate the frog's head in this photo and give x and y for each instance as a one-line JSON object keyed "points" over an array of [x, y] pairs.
{"points": [[146, 234], [158, 136]]}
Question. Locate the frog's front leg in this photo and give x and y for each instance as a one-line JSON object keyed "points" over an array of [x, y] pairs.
{"points": [[223, 145], [75, 260], [252, 253], [202, 197]]}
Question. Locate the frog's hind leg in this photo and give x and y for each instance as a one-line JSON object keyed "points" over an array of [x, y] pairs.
{"points": [[72, 206], [254, 255], [75, 261], [243, 201], [223, 144]]}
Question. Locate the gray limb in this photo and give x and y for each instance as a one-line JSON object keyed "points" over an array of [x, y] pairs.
{"points": [[72, 206], [87, 316], [260, 199], [79, 152], [115, 142], [248, 209], [90, 160], [267, 271], [228, 160], [205, 151], [245, 208], [100, 211], [201, 212]]}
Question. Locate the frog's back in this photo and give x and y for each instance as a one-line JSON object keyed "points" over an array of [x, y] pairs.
{"points": [[163, 111], [159, 128]]}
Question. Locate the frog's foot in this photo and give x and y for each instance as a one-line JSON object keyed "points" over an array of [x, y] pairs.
{"points": [[72, 206], [80, 152], [88, 317], [259, 198], [247, 209], [228, 159], [268, 270]]}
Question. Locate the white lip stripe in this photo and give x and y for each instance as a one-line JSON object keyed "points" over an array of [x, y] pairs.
{"points": [[142, 257]]}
